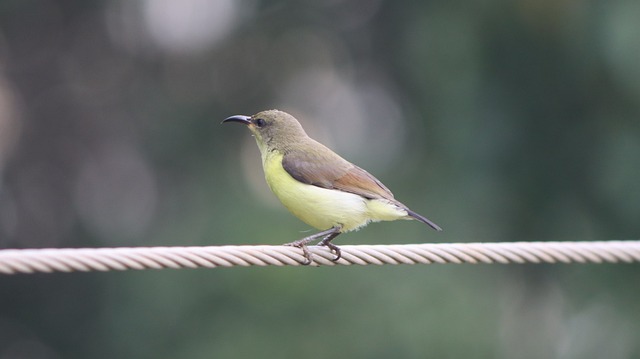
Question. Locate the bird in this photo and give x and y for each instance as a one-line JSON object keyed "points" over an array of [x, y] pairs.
{"points": [[318, 186]]}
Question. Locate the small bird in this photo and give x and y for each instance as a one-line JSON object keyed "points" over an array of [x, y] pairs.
{"points": [[317, 185]]}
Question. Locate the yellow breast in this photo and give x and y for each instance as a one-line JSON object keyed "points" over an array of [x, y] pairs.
{"points": [[324, 208]]}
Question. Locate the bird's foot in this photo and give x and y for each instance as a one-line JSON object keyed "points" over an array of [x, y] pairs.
{"points": [[326, 236], [306, 253], [332, 247]]}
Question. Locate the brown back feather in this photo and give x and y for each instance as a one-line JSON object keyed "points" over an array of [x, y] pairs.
{"points": [[319, 166]]}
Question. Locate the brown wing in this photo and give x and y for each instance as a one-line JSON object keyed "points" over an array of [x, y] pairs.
{"points": [[323, 168]]}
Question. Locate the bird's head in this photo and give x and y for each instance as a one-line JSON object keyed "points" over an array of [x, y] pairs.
{"points": [[272, 129]]}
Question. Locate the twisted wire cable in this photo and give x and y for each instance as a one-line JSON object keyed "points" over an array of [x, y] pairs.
{"points": [[13, 261]]}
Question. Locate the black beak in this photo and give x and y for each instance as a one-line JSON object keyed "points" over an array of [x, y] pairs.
{"points": [[238, 118]]}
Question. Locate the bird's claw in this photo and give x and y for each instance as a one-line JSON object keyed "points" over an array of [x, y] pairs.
{"points": [[306, 253], [333, 248], [326, 236]]}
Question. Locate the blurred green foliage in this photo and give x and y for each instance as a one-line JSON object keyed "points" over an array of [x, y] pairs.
{"points": [[499, 120]]}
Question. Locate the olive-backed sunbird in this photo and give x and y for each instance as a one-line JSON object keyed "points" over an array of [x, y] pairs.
{"points": [[318, 186]]}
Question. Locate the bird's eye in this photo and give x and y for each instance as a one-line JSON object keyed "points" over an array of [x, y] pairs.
{"points": [[260, 122]]}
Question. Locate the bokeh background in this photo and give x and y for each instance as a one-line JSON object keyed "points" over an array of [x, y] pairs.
{"points": [[501, 120]]}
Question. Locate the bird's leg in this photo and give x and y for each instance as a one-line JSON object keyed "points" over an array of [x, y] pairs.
{"points": [[326, 241], [327, 236]]}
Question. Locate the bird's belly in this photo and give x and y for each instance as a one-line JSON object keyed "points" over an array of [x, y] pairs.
{"points": [[325, 208], [318, 207]]}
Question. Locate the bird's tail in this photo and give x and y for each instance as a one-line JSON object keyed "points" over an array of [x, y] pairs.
{"points": [[423, 219]]}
